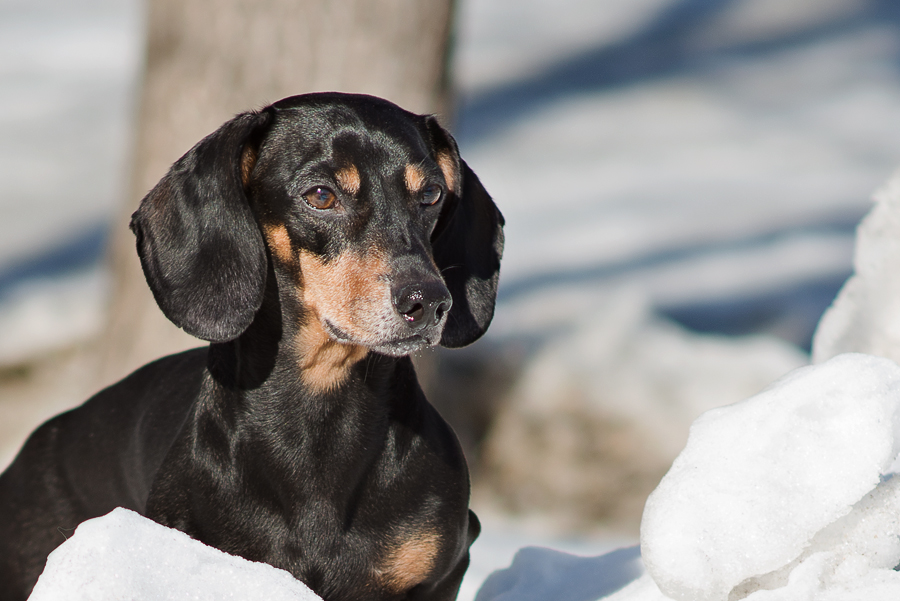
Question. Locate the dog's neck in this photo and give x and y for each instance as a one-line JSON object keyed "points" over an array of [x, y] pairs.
{"points": [[257, 390], [286, 351]]}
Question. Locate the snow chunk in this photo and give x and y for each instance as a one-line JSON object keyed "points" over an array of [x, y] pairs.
{"points": [[782, 497], [853, 558], [123, 555], [759, 479], [865, 316]]}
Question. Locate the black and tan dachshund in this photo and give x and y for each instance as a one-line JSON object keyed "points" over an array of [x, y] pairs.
{"points": [[315, 243]]}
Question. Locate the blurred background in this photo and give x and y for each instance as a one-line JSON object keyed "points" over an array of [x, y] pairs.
{"points": [[681, 181]]}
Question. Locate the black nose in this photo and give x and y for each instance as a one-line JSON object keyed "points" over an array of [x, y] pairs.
{"points": [[423, 304]]}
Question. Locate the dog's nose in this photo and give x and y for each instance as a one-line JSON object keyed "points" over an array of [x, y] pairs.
{"points": [[423, 304]]}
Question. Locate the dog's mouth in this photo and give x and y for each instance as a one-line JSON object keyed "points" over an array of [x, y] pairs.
{"points": [[405, 346], [394, 347]]}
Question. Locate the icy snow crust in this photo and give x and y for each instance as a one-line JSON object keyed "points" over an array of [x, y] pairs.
{"points": [[865, 316], [782, 497], [123, 555], [759, 479]]}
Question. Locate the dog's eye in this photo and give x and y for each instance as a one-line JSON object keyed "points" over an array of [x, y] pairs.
{"points": [[320, 198], [431, 194]]}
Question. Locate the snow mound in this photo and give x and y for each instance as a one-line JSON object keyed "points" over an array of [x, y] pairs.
{"points": [[123, 555], [865, 316], [781, 497], [758, 479]]}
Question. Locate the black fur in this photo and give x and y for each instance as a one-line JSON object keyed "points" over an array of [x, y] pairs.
{"points": [[300, 436], [199, 244]]}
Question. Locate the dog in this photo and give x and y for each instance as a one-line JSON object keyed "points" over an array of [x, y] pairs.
{"points": [[315, 244]]}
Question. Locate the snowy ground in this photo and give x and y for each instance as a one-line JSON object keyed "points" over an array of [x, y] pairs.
{"points": [[67, 71], [787, 495], [715, 155]]}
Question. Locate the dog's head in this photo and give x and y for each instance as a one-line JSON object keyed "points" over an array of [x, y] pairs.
{"points": [[390, 239]]}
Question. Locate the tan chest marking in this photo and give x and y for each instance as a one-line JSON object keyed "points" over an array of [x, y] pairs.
{"points": [[409, 561]]}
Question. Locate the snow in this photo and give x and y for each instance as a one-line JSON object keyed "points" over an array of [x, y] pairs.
{"points": [[760, 478], [865, 317], [503, 538], [703, 152], [41, 311], [708, 155], [785, 496], [67, 79], [547, 574], [67, 71], [600, 412], [125, 556]]}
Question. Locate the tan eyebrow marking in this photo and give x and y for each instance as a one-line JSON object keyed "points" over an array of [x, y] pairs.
{"points": [[348, 179], [448, 168], [414, 177]]}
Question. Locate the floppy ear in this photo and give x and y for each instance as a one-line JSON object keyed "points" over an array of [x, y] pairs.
{"points": [[199, 244], [467, 244]]}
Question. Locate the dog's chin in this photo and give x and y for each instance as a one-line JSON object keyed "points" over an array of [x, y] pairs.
{"points": [[396, 347], [406, 346]]}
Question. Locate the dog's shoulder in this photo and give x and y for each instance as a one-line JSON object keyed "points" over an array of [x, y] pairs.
{"points": [[125, 428]]}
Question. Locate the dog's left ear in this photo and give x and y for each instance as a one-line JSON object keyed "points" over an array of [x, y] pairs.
{"points": [[200, 246], [467, 244]]}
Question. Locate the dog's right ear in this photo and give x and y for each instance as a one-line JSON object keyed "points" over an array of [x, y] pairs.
{"points": [[199, 244]]}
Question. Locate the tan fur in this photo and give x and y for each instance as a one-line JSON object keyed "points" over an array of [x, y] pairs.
{"points": [[332, 291], [248, 162], [409, 562], [279, 243], [325, 363], [414, 177], [348, 179], [352, 293], [448, 168]]}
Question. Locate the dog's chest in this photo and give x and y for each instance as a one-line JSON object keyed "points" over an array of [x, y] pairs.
{"points": [[374, 565], [366, 504], [408, 526], [408, 560]]}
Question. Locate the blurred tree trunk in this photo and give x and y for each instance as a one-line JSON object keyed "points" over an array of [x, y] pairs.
{"points": [[210, 59]]}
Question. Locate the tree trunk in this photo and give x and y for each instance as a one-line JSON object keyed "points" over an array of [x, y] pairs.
{"points": [[210, 59]]}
